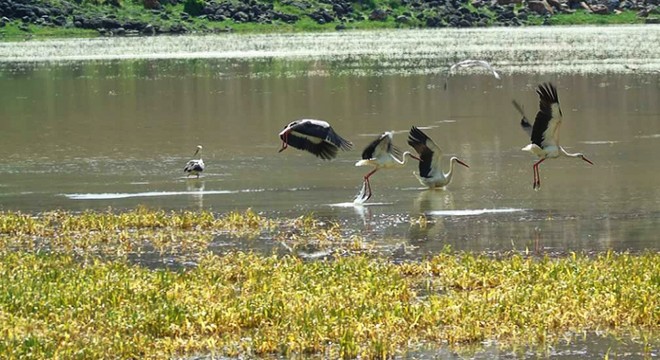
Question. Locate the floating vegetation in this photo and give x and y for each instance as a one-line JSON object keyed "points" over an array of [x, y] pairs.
{"points": [[60, 299]]}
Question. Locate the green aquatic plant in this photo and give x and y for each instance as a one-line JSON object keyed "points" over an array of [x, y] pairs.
{"points": [[355, 306], [69, 288]]}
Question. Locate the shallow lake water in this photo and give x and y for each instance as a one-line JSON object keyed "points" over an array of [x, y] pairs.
{"points": [[110, 123], [93, 124]]}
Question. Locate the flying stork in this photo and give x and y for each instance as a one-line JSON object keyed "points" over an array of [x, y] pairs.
{"points": [[195, 166], [381, 154], [430, 173], [314, 136], [545, 131]]}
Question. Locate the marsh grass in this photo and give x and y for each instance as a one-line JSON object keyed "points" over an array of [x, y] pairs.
{"points": [[72, 303]]}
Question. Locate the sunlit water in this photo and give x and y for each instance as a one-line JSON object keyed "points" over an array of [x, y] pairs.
{"points": [[110, 123]]}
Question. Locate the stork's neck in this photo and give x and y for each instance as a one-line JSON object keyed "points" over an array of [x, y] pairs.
{"points": [[450, 173], [567, 154], [404, 158]]}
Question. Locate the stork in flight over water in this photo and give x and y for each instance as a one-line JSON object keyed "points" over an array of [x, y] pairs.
{"points": [[314, 136], [475, 63], [472, 63], [430, 173], [545, 132], [195, 166], [381, 154]]}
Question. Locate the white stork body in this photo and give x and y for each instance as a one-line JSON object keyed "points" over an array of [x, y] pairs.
{"points": [[314, 136], [545, 132], [381, 154], [474, 63], [430, 173], [195, 166]]}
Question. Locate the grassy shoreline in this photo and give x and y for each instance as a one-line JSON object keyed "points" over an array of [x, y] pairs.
{"points": [[69, 299], [16, 30]]}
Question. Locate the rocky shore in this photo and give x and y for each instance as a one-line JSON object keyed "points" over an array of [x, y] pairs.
{"points": [[151, 17]]}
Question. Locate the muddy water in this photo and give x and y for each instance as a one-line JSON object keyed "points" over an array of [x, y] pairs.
{"points": [[92, 124]]}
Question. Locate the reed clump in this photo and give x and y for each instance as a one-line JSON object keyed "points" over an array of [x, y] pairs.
{"points": [[72, 303]]}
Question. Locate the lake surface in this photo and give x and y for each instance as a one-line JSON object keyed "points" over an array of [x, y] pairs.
{"points": [[99, 123]]}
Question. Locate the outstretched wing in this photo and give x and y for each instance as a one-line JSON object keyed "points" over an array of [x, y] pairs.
{"points": [[379, 147], [524, 123], [316, 137], [429, 152], [338, 141], [545, 131]]}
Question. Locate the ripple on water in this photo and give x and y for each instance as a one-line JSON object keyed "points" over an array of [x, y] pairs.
{"points": [[472, 212]]}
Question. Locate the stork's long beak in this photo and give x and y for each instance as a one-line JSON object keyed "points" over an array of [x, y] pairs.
{"points": [[587, 160], [415, 157], [462, 163]]}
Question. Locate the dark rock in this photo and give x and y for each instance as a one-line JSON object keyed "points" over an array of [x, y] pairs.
{"points": [[59, 21], [539, 6], [149, 30], [321, 16], [134, 25], [120, 31], [464, 23], [600, 9], [340, 26], [177, 29], [110, 23], [287, 18], [241, 17], [402, 19], [434, 22], [378, 15]]}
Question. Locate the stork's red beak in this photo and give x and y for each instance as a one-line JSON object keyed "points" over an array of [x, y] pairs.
{"points": [[587, 160], [284, 143], [462, 163], [415, 157]]}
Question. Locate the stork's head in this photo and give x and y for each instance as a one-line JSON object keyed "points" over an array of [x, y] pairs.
{"points": [[284, 134], [459, 161], [581, 156]]}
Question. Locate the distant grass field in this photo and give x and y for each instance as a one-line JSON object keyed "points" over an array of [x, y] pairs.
{"points": [[70, 287]]}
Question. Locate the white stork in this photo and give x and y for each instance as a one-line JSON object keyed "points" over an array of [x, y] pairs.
{"points": [[430, 173], [545, 132], [471, 63], [195, 166], [315, 136], [381, 154], [474, 63]]}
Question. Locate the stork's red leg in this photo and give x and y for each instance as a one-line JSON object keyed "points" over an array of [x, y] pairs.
{"points": [[537, 174], [366, 180]]}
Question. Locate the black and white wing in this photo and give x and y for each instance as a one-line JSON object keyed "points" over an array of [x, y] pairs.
{"points": [[429, 152], [381, 146], [545, 131], [524, 122], [316, 137], [194, 166]]}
